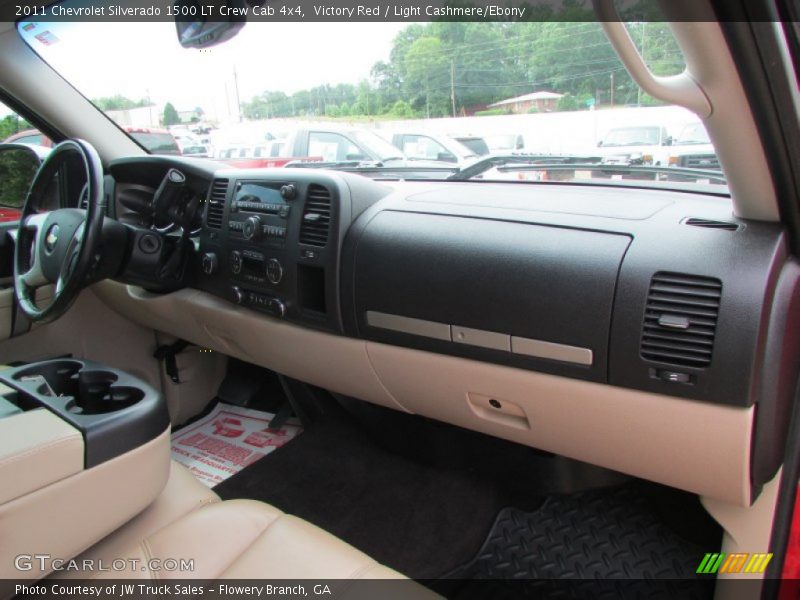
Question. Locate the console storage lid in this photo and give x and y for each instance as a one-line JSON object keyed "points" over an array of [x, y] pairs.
{"points": [[37, 449]]}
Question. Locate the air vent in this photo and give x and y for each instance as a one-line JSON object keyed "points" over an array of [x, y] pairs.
{"points": [[316, 217], [709, 224], [216, 203], [680, 319]]}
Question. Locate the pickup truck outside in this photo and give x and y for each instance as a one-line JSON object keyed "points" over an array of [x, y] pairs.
{"points": [[636, 145]]}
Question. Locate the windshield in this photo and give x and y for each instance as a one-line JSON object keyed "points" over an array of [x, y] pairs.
{"points": [[540, 88], [379, 147], [632, 136], [693, 134], [157, 143]]}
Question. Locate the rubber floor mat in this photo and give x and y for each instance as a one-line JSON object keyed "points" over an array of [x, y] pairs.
{"points": [[601, 544]]}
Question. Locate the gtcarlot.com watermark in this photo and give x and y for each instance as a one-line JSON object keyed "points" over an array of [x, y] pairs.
{"points": [[46, 563]]}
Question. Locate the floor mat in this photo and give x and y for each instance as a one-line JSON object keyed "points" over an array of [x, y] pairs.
{"points": [[227, 440], [601, 544], [419, 520]]}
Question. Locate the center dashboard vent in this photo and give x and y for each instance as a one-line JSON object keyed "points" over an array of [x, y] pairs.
{"points": [[680, 319], [709, 224], [316, 222], [216, 203]]}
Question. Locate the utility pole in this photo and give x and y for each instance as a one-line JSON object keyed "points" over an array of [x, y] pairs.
{"points": [[453, 85], [236, 89], [612, 89]]}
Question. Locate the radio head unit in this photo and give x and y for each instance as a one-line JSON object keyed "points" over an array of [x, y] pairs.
{"points": [[260, 210], [261, 197]]}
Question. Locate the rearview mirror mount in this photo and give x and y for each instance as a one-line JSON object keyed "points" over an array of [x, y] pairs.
{"points": [[202, 25]]}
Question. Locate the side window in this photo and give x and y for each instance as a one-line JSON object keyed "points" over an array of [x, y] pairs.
{"points": [[423, 147], [333, 147], [17, 166]]}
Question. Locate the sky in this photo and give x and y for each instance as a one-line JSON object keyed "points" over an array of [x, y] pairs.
{"points": [[139, 60]]}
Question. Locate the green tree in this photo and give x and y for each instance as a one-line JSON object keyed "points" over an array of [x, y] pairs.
{"points": [[17, 168], [170, 115], [119, 102], [11, 124]]}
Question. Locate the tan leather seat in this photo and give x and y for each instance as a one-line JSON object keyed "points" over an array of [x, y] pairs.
{"points": [[235, 539], [244, 539]]}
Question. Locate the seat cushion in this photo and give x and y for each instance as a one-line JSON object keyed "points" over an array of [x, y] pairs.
{"points": [[182, 494], [245, 539]]}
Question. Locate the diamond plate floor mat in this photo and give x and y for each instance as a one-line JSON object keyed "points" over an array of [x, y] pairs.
{"points": [[607, 543]]}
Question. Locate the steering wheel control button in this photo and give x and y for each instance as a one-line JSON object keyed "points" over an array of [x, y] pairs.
{"points": [[274, 271], [51, 239], [236, 262], [209, 263], [149, 243]]}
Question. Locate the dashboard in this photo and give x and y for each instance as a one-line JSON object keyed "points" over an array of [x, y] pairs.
{"points": [[657, 292]]}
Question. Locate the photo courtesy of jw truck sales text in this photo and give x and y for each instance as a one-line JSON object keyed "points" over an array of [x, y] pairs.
{"points": [[400, 299]]}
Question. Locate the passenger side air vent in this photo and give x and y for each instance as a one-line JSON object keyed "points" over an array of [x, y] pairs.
{"points": [[680, 319], [316, 216], [216, 203], [709, 224]]}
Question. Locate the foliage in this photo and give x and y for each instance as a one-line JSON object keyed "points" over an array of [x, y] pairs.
{"points": [[445, 68], [119, 102], [11, 124], [17, 168], [491, 112], [171, 116]]}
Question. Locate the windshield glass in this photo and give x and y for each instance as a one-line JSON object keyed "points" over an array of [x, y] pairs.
{"points": [[693, 134], [382, 149], [552, 89], [632, 136]]}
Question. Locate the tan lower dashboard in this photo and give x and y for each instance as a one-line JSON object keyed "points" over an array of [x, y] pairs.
{"points": [[696, 446]]}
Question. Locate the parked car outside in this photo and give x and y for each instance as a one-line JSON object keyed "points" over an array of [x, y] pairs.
{"points": [[437, 147]]}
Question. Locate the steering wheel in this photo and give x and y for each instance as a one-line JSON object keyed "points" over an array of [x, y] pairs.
{"points": [[60, 246]]}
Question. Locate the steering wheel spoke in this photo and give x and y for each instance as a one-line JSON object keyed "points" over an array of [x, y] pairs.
{"points": [[34, 222], [58, 247]]}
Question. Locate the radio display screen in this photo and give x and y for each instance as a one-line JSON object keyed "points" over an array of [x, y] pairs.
{"points": [[259, 193]]}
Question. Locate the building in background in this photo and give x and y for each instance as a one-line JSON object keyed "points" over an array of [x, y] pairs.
{"points": [[534, 102]]}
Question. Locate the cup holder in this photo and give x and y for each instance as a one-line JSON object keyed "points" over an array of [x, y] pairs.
{"points": [[97, 394], [56, 378]]}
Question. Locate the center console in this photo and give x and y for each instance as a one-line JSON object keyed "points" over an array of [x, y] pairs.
{"points": [[83, 448], [271, 241]]}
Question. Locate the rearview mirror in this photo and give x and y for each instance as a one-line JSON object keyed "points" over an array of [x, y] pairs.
{"points": [[18, 165], [208, 23]]}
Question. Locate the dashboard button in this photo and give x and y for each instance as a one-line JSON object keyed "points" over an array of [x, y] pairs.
{"points": [[237, 294], [209, 263], [236, 262], [277, 308]]}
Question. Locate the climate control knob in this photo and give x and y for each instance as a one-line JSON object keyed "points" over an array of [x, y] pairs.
{"points": [[251, 229], [274, 271], [209, 263], [237, 295], [277, 308]]}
